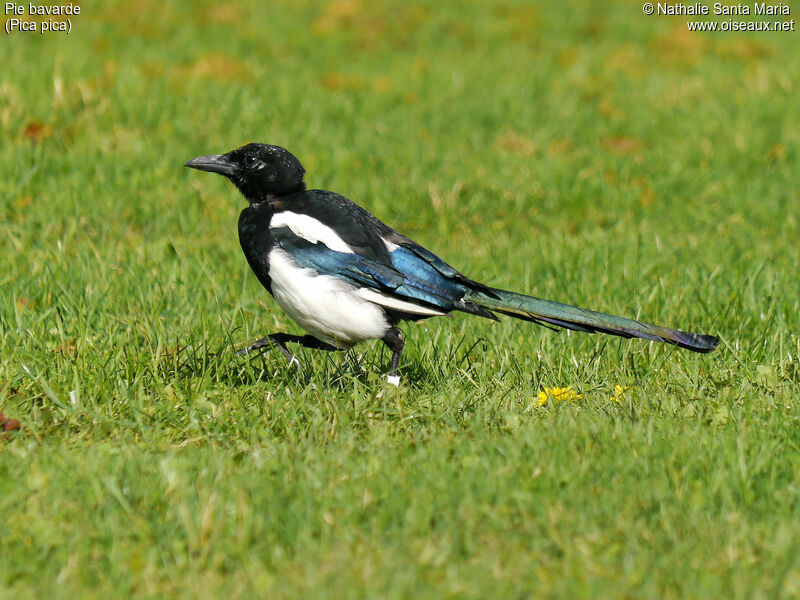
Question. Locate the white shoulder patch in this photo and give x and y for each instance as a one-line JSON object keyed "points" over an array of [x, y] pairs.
{"points": [[310, 229]]}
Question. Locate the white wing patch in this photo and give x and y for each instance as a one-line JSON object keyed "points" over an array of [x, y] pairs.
{"points": [[397, 304], [390, 246], [310, 229]]}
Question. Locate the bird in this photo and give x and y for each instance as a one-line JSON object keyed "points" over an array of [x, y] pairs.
{"points": [[346, 277]]}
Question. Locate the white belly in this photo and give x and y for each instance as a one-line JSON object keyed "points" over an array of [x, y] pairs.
{"points": [[326, 307]]}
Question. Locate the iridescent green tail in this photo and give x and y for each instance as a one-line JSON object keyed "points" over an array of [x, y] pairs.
{"points": [[545, 312]]}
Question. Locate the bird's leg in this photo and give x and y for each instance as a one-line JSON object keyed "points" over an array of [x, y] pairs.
{"points": [[280, 340], [393, 338]]}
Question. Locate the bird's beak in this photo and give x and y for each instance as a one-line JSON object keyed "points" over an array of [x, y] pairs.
{"points": [[214, 163]]}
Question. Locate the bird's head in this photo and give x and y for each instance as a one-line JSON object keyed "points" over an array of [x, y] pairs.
{"points": [[258, 170]]}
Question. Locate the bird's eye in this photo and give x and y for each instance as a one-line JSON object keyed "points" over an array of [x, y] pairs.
{"points": [[253, 162]]}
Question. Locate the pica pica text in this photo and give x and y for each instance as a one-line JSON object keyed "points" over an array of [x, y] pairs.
{"points": [[346, 277]]}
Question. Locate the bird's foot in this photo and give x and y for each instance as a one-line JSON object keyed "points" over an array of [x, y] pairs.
{"points": [[274, 340], [394, 339], [257, 345]]}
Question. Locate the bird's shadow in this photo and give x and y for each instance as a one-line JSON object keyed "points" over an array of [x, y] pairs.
{"points": [[221, 365]]}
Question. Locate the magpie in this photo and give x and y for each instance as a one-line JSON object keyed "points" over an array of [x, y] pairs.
{"points": [[346, 277]]}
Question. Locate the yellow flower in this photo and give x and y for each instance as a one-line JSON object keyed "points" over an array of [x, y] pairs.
{"points": [[558, 394], [619, 393]]}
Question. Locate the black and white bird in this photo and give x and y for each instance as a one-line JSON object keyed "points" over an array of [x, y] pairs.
{"points": [[346, 277]]}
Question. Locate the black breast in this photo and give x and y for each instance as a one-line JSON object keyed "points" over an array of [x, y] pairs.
{"points": [[256, 240]]}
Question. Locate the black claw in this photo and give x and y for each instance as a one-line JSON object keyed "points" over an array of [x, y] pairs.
{"points": [[279, 340], [262, 343]]}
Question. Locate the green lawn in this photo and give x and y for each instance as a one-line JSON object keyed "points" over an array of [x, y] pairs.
{"points": [[579, 151]]}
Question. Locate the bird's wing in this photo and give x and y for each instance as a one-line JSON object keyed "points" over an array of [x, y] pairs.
{"points": [[429, 257], [407, 285], [334, 236]]}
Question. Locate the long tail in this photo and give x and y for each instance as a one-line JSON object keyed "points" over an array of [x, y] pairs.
{"points": [[545, 312]]}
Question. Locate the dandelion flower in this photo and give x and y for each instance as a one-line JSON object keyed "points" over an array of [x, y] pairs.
{"points": [[557, 395], [619, 393]]}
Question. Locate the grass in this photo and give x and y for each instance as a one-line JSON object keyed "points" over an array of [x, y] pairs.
{"points": [[581, 153]]}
